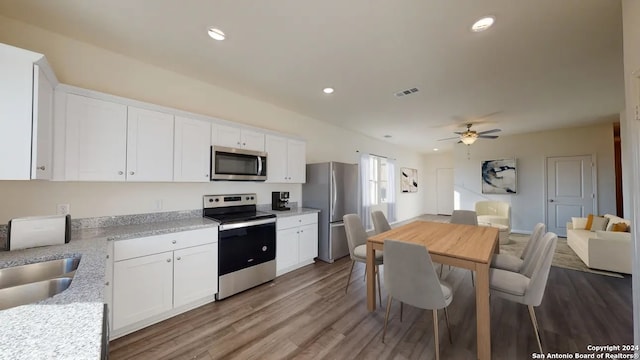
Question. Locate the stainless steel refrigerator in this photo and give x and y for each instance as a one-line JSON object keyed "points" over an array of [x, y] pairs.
{"points": [[331, 187]]}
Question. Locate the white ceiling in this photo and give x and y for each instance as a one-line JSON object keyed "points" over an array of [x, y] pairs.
{"points": [[545, 64]]}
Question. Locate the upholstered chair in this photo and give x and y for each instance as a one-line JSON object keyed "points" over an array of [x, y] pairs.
{"points": [[409, 276], [528, 286], [357, 241], [524, 261], [380, 223], [494, 212], [464, 217]]}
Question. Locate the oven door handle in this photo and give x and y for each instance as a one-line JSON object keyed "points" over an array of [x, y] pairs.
{"points": [[246, 224]]}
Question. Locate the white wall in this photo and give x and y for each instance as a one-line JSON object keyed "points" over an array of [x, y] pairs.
{"points": [[631, 138], [84, 65], [530, 151]]}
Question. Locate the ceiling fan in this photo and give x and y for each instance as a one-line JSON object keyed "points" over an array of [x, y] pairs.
{"points": [[469, 136]]}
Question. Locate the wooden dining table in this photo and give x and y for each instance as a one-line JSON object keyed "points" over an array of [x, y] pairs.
{"points": [[465, 246]]}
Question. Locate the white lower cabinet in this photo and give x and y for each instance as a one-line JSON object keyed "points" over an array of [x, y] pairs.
{"points": [[157, 277], [297, 242], [143, 287]]}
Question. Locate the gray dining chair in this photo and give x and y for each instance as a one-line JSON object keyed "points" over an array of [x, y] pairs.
{"points": [[380, 223], [357, 241], [410, 277], [526, 287], [463, 217], [517, 263]]}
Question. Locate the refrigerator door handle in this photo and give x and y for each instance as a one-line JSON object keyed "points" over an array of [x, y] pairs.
{"points": [[334, 192]]}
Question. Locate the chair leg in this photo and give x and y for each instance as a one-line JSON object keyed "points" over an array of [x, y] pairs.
{"points": [[386, 317], [435, 333], [379, 287], [349, 278], [534, 321], [401, 306], [473, 283], [446, 317], [441, 266]]}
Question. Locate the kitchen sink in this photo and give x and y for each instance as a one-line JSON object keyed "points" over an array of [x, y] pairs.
{"points": [[32, 292], [31, 273]]}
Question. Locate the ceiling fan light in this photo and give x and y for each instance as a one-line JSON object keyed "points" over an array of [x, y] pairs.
{"points": [[468, 139]]}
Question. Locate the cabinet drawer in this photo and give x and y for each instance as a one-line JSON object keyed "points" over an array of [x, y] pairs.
{"points": [[127, 249], [293, 221]]}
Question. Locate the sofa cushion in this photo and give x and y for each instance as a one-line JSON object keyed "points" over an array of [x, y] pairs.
{"points": [[615, 220], [611, 235], [579, 223], [620, 227], [599, 223], [589, 222]]}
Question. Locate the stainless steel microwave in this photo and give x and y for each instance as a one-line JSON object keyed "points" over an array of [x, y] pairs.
{"points": [[238, 164]]}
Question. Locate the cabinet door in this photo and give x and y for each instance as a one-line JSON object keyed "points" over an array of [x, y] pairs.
{"points": [[276, 148], [149, 145], [252, 140], [42, 141], [192, 150], [96, 139], [223, 135], [308, 242], [195, 273], [296, 161], [286, 249], [142, 288]]}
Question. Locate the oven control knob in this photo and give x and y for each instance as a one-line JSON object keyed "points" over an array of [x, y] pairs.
{"points": [[217, 199], [252, 198], [247, 198], [264, 248], [210, 200]]}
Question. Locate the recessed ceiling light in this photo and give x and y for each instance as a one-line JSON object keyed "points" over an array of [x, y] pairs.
{"points": [[387, 136], [435, 149], [216, 34], [483, 24], [328, 90]]}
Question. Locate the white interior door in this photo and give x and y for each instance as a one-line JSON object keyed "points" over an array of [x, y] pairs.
{"points": [[444, 189], [571, 190]]}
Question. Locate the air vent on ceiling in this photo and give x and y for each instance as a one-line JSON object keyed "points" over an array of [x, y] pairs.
{"points": [[406, 92]]}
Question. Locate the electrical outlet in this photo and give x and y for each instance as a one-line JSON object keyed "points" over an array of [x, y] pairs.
{"points": [[62, 209]]}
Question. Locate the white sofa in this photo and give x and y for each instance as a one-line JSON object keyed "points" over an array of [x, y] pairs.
{"points": [[603, 249]]}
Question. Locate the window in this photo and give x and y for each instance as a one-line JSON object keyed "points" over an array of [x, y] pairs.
{"points": [[378, 180]]}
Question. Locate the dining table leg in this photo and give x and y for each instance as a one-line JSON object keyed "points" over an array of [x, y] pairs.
{"points": [[371, 284], [483, 317]]}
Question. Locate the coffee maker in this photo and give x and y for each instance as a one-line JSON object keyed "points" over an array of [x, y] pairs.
{"points": [[279, 200]]}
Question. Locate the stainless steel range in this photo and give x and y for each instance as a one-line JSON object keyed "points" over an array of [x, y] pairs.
{"points": [[246, 242]]}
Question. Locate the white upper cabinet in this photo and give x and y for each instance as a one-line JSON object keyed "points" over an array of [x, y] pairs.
{"points": [[285, 160], [192, 150], [108, 141], [96, 139], [149, 145], [235, 137], [26, 93]]}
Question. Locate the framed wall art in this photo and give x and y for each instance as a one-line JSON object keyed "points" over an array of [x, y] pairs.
{"points": [[499, 176], [408, 180]]}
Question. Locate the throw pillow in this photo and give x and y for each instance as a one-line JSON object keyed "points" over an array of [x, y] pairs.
{"points": [[589, 222], [620, 227], [579, 223], [599, 223]]}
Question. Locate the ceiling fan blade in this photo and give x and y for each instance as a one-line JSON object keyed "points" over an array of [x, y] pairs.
{"points": [[450, 138], [488, 131], [459, 132], [488, 136]]}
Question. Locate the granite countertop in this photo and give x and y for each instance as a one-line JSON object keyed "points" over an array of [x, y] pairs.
{"points": [[295, 211], [69, 325]]}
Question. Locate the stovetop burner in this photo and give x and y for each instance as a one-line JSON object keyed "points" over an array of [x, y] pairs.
{"points": [[227, 209]]}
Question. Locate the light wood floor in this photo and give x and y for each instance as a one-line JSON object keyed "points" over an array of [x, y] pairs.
{"points": [[307, 315]]}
